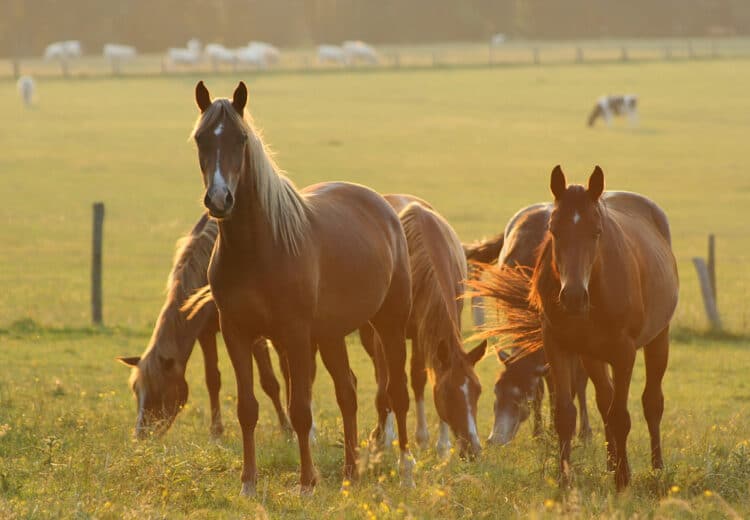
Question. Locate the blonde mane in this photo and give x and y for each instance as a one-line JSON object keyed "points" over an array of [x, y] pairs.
{"points": [[279, 199], [434, 279]]}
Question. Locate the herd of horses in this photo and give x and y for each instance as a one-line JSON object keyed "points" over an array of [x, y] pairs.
{"points": [[579, 283]]}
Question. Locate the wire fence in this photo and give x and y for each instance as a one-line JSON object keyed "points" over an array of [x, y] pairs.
{"points": [[516, 53]]}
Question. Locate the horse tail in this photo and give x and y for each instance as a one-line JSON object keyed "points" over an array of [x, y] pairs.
{"points": [[509, 288], [485, 251], [197, 302]]}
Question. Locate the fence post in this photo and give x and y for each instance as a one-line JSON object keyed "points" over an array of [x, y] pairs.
{"points": [[16, 68], [535, 52], [667, 52], [624, 54], [579, 55], [711, 263], [96, 264], [706, 270]]}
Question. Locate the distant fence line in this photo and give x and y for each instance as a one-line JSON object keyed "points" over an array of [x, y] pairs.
{"points": [[445, 56]]}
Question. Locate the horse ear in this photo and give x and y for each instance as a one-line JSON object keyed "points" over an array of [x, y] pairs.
{"points": [[129, 361], [502, 355], [239, 98], [202, 97], [557, 182], [477, 353], [596, 184], [167, 364]]}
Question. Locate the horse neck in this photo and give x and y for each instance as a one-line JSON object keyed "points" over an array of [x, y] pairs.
{"points": [[174, 336]]}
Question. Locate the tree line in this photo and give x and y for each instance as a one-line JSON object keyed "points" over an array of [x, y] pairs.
{"points": [[27, 26]]}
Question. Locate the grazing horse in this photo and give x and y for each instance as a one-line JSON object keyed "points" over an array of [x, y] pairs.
{"points": [[521, 383], [304, 269], [605, 283], [158, 375], [607, 106], [438, 273]]}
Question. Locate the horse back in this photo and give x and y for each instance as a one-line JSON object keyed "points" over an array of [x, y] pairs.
{"points": [[646, 234], [524, 234]]}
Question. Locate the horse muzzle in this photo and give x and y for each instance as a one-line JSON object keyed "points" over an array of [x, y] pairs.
{"points": [[574, 300], [219, 202]]}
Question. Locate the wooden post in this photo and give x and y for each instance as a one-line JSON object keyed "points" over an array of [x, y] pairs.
{"points": [[535, 52], [16, 68], [667, 52], [624, 54], [709, 303], [579, 55], [96, 264], [711, 263]]}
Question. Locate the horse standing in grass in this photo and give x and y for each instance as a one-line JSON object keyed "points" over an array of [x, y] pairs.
{"points": [[605, 283], [158, 375], [303, 269], [438, 273], [522, 381]]}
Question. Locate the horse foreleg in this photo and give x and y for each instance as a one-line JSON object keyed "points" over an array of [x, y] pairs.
{"points": [[300, 355], [599, 374], [418, 382], [581, 380], [237, 342], [269, 383], [336, 361], [207, 341], [561, 362], [656, 355], [618, 416]]}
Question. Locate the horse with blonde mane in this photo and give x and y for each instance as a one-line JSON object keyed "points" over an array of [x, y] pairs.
{"points": [[438, 272], [158, 375], [303, 268], [604, 285]]}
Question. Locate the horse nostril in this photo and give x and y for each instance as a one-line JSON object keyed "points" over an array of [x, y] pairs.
{"points": [[229, 200]]}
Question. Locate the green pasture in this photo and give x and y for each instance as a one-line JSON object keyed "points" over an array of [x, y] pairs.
{"points": [[478, 144]]}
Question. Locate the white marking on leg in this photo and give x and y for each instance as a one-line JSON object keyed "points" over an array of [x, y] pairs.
{"points": [[389, 434], [443, 445], [406, 464], [576, 218], [473, 436], [423, 435]]}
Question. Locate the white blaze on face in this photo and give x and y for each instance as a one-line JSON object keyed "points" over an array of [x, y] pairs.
{"points": [[469, 416], [141, 406], [218, 181], [576, 218], [219, 129]]}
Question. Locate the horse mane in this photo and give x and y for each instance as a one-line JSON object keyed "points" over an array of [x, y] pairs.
{"points": [[191, 258], [434, 295], [278, 198]]}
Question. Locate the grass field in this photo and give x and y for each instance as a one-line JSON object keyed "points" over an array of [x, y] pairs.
{"points": [[478, 144]]}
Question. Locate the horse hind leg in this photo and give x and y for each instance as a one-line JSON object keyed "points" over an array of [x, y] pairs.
{"points": [[336, 361], [597, 371], [390, 324], [418, 382], [656, 355], [269, 383], [207, 342], [382, 435]]}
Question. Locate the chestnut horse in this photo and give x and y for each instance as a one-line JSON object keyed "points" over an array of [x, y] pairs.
{"points": [[519, 388], [303, 269], [605, 283], [158, 375], [438, 273]]}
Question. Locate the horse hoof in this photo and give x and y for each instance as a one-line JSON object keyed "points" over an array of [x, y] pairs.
{"points": [[306, 491], [248, 489], [217, 430], [406, 466]]}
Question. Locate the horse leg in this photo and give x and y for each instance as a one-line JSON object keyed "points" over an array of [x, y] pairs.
{"points": [[300, 355], [536, 405], [581, 381], [418, 382], [207, 341], [561, 362], [336, 361], [656, 355], [597, 371], [247, 405], [383, 432], [269, 383], [618, 416]]}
